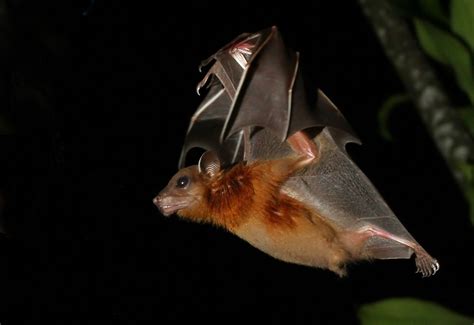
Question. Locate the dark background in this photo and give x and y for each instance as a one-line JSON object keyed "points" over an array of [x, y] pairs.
{"points": [[100, 104]]}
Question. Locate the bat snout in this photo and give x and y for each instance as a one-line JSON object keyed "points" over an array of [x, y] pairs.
{"points": [[158, 202], [167, 204]]}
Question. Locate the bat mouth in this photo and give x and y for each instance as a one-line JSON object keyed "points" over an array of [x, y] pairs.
{"points": [[167, 208]]}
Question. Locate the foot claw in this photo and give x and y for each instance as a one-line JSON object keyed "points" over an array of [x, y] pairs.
{"points": [[426, 265]]}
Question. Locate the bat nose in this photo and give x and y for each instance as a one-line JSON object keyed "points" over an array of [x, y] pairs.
{"points": [[157, 200]]}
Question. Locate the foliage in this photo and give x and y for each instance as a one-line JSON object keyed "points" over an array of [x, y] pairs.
{"points": [[450, 44], [409, 311], [445, 31]]}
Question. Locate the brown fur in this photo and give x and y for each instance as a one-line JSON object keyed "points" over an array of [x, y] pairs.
{"points": [[230, 196], [225, 199], [254, 190], [244, 191], [282, 210], [248, 201]]}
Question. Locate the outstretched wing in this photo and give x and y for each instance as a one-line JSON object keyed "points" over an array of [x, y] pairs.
{"points": [[254, 82]]}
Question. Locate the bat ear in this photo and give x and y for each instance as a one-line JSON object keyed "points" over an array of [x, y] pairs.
{"points": [[209, 164]]}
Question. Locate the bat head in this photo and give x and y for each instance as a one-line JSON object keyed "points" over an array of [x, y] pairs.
{"points": [[188, 186]]}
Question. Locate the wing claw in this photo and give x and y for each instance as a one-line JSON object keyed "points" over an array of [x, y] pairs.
{"points": [[204, 80]]}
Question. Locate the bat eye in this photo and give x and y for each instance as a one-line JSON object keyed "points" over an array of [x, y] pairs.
{"points": [[182, 181]]}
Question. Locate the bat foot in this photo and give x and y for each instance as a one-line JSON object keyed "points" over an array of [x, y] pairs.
{"points": [[425, 264]]}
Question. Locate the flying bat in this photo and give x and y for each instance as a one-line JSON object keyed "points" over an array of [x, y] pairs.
{"points": [[275, 171]]}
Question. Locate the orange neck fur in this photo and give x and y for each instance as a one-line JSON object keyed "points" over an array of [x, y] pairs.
{"points": [[244, 191]]}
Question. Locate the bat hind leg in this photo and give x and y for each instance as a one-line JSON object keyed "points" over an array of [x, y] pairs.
{"points": [[425, 264]]}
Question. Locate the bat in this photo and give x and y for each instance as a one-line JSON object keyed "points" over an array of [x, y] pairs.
{"points": [[275, 171]]}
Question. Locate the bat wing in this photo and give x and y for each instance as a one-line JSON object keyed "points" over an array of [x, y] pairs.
{"points": [[252, 72], [255, 102]]}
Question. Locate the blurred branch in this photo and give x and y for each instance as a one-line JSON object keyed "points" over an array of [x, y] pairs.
{"points": [[439, 116]]}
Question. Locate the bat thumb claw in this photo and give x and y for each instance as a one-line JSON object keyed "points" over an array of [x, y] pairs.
{"points": [[203, 82]]}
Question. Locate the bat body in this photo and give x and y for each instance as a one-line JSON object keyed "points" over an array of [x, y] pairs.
{"points": [[276, 172], [247, 200]]}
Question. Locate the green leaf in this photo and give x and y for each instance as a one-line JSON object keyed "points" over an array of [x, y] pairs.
{"points": [[434, 10], [447, 49], [385, 111], [409, 311], [462, 20]]}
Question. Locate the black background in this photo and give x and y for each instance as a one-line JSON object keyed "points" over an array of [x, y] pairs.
{"points": [[84, 240]]}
